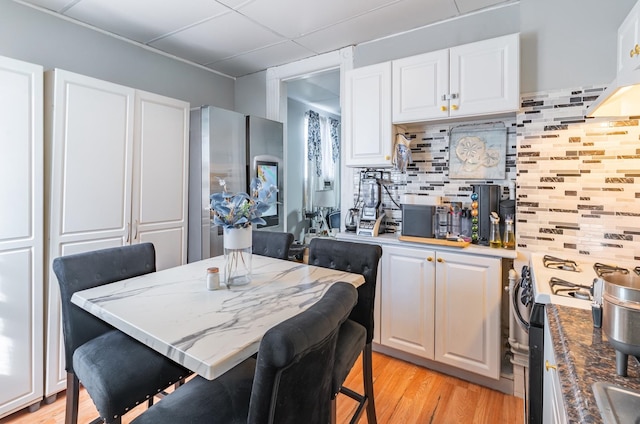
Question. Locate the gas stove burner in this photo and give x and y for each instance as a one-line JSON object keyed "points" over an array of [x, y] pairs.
{"points": [[559, 263], [604, 269], [562, 287]]}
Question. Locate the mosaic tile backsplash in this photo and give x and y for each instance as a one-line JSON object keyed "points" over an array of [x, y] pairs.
{"points": [[577, 189], [429, 172], [576, 179]]}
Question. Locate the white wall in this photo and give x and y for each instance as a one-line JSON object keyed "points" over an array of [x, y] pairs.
{"points": [[295, 167], [479, 26], [568, 43], [38, 37]]}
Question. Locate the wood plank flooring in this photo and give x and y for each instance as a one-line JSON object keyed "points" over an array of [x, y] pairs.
{"points": [[404, 393]]}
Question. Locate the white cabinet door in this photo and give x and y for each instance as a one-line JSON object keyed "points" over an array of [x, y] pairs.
{"points": [[420, 86], [467, 323], [628, 39], [407, 300], [21, 235], [553, 411], [485, 76], [159, 207], [89, 152], [367, 116]]}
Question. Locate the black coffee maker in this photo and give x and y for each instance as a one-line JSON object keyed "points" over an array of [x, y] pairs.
{"points": [[488, 201]]}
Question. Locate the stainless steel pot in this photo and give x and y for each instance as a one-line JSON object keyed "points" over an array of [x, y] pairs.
{"points": [[621, 315]]}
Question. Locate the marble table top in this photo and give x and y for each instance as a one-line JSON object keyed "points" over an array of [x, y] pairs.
{"points": [[209, 332]]}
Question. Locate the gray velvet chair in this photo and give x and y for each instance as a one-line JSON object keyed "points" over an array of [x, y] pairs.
{"points": [[289, 383], [271, 243], [117, 371], [359, 258]]}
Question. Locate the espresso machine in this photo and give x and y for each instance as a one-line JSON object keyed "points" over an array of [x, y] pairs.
{"points": [[370, 216]]}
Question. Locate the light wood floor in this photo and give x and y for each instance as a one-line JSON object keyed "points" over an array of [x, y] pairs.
{"points": [[404, 393]]}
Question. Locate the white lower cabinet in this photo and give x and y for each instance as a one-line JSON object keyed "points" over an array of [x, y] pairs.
{"points": [[407, 300], [442, 306], [468, 302], [552, 404]]}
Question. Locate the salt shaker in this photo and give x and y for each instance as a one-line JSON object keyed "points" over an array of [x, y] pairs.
{"points": [[213, 278]]}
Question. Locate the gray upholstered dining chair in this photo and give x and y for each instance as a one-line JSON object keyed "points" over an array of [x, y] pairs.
{"points": [[289, 383], [117, 371], [358, 258], [272, 243]]}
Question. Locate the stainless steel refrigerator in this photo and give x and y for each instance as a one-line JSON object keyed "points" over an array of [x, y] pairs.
{"points": [[228, 145]]}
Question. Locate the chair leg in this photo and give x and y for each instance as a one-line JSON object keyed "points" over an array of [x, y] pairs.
{"points": [[367, 372], [333, 409], [73, 395]]}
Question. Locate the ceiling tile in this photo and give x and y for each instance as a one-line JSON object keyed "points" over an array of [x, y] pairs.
{"points": [[467, 6], [234, 4], [293, 18], [55, 5], [144, 20], [258, 60], [399, 17], [218, 38]]}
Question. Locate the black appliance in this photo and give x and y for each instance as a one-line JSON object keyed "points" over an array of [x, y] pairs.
{"points": [[417, 220], [488, 201], [536, 363]]}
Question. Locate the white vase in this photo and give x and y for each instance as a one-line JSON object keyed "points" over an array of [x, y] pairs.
{"points": [[237, 255]]}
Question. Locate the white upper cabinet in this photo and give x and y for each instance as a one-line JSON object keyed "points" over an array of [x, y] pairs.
{"points": [[419, 83], [367, 116], [480, 78], [629, 41], [21, 235]]}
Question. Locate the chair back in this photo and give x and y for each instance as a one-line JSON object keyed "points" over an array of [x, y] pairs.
{"points": [[292, 382], [271, 243], [358, 258], [91, 269]]}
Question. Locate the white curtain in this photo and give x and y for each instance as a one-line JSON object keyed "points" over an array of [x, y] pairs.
{"points": [[322, 168]]}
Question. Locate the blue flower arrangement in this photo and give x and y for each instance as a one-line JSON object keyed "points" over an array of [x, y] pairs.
{"points": [[239, 210]]}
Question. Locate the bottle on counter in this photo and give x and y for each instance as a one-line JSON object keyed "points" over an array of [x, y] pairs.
{"points": [[494, 233], [509, 239]]}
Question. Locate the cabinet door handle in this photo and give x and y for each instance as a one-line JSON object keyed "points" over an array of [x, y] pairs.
{"points": [[443, 108], [454, 107], [135, 227], [387, 157], [430, 259], [128, 231], [440, 260], [635, 51], [548, 366]]}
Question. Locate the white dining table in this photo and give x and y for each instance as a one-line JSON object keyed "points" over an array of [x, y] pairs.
{"points": [[209, 332]]}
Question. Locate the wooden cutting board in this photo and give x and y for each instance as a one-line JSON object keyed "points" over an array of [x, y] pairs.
{"points": [[441, 242]]}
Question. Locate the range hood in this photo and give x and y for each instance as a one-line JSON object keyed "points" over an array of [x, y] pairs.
{"points": [[621, 98]]}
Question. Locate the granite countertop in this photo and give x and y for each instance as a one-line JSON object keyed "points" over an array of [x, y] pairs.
{"points": [[584, 356]]}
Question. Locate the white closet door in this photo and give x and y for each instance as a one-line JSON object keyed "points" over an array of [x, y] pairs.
{"points": [[89, 153], [21, 235], [160, 169]]}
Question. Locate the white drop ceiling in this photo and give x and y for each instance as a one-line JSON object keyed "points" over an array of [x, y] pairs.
{"points": [[239, 37]]}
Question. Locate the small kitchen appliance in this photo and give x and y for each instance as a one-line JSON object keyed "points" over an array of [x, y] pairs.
{"points": [[488, 201], [371, 216], [418, 215], [351, 219]]}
